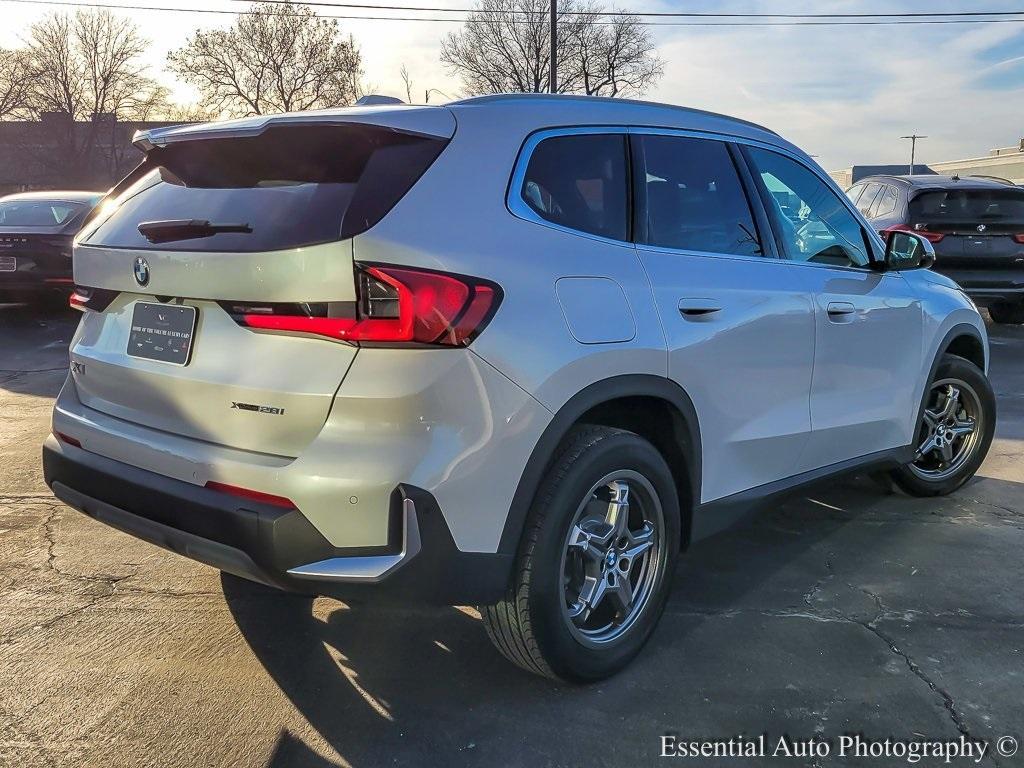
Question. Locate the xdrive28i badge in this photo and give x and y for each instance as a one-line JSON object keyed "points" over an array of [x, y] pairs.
{"points": [[141, 270]]}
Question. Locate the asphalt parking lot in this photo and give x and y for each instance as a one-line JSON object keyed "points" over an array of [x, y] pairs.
{"points": [[846, 610]]}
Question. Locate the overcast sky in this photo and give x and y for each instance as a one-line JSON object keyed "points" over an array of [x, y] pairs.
{"points": [[845, 94]]}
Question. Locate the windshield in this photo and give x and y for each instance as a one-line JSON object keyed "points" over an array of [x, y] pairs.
{"points": [[288, 187], [38, 213], [995, 208]]}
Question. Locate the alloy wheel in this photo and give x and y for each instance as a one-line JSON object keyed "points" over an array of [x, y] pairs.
{"points": [[612, 560], [950, 428]]}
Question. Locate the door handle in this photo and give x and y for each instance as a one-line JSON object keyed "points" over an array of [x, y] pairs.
{"points": [[698, 307], [840, 311]]}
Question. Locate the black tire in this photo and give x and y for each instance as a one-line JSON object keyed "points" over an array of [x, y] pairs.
{"points": [[1007, 314], [529, 626], [957, 369]]}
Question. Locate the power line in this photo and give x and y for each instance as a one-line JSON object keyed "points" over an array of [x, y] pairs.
{"points": [[855, 22], [668, 14]]}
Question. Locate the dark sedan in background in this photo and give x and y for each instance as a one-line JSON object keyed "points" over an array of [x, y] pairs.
{"points": [[975, 223], [36, 230]]}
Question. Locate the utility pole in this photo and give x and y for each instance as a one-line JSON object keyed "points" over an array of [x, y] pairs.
{"points": [[554, 47], [913, 148]]}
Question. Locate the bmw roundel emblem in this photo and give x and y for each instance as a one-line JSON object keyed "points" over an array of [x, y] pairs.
{"points": [[141, 270], [982, 227]]}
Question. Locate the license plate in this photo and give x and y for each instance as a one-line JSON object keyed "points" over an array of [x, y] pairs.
{"points": [[162, 332], [8, 263]]}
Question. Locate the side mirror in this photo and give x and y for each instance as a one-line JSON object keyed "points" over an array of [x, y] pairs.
{"points": [[907, 250]]}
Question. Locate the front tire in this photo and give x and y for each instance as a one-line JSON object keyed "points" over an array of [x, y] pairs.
{"points": [[1007, 314], [596, 563], [954, 432]]}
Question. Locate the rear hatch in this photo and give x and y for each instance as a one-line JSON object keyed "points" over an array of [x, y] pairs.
{"points": [[221, 225], [972, 228]]}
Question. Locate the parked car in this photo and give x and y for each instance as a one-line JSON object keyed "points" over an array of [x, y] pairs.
{"points": [[514, 351], [36, 231], [975, 223]]}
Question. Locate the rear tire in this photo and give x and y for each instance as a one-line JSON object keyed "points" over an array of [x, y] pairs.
{"points": [[949, 449], [1007, 314], [596, 562]]}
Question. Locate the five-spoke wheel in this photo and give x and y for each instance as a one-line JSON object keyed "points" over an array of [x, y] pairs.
{"points": [[954, 430], [949, 429], [609, 565]]}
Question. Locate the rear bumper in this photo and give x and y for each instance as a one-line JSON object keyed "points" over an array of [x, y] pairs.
{"points": [[35, 274], [279, 547]]}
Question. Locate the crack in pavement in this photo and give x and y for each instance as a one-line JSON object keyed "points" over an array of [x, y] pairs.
{"points": [[834, 615]]}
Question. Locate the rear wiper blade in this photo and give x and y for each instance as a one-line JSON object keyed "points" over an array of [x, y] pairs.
{"points": [[186, 229]]}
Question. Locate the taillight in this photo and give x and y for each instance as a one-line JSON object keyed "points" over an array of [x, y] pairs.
{"points": [[251, 495], [1019, 238], [96, 299], [932, 237], [397, 305]]}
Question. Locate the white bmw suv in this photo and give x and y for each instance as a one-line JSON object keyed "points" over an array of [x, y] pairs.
{"points": [[515, 351]]}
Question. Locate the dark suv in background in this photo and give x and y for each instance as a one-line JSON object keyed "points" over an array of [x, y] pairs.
{"points": [[975, 223], [36, 231]]}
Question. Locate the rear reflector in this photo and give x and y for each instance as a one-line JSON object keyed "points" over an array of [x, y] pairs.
{"points": [[397, 305], [67, 439], [246, 493]]}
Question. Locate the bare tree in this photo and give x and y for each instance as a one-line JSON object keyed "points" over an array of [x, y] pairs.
{"points": [[276, 58], [87, 68], [16, 79], [407, 79], [505, 47], [89, 64]]}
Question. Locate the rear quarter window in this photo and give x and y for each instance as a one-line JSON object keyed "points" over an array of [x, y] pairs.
{"points": [[291, 186], [579, 182]]}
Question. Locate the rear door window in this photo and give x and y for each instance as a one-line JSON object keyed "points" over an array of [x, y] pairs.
{"points": [[690, 197], [578, 181], [854, 192], [868, 197], [288, 187], [885, 203]]}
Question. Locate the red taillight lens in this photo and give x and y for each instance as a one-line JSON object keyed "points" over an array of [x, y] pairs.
{"points": [[96, 299], [400, 305], [1019, 238], [246, 493], [932, 237], [67, 439]]}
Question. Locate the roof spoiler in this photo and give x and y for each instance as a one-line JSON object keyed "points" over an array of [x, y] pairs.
{"points": [[436, 122]]}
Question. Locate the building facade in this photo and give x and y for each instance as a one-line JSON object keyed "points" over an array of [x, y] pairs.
{"points": [[56, 152], [1005, 163]]}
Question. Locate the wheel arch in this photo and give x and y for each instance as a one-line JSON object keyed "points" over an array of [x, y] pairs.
{"points": [[654, 407], [963, 340]]}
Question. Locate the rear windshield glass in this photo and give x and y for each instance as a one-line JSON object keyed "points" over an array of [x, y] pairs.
{"points": [[288, 187], [970, 207], [38, 213]]}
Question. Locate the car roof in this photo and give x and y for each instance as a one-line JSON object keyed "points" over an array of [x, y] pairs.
{"points": [[64, 196], [630, 110], [918, 182], [540, 109]]}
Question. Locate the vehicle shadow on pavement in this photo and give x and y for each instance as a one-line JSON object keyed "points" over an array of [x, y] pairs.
{"points": [[417, 686]]}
